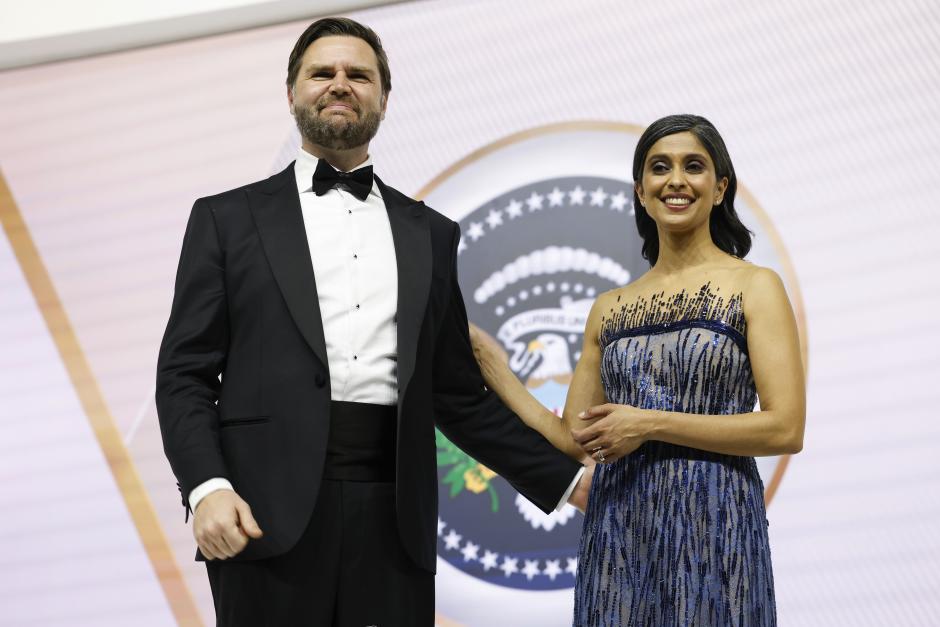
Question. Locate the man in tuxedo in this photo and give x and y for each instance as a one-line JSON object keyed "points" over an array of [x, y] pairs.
{"points": [[328, 304]]}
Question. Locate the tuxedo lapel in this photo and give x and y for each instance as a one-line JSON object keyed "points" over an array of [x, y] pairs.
{"points": [[412, 237], [275, 206]]}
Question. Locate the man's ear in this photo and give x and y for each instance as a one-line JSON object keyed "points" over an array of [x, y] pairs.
{"points": [[384, 103], [290, 98]]}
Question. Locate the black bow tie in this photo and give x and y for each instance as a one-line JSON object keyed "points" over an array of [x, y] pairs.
{"points": [[358, 182]]}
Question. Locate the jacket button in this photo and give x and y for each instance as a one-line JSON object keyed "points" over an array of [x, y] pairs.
{"points": [[320, 380]]}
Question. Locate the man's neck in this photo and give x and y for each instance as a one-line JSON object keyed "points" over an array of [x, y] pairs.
{"points": [[344, 160]]}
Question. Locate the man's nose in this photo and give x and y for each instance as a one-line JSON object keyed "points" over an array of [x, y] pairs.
{"points": [[339, 84]]}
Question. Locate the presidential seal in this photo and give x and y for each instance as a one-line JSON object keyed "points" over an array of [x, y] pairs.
{"points": [[532, 260]]}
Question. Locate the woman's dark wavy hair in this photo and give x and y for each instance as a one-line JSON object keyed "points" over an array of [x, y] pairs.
{"points": [[727, 231]]}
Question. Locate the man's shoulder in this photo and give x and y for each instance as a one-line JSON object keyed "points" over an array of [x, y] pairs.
{"points": [[237, 195], [435, 218]]}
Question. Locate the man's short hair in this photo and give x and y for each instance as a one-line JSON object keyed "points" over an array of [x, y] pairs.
{"points": [[330, 26]]}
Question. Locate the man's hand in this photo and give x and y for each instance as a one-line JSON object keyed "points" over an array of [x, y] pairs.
{"points": [[223, 524], [579, 496]]}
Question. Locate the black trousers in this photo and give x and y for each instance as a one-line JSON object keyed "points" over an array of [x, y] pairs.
{"points": [[348, 568]]}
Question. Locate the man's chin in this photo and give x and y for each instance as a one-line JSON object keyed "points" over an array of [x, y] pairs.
{"points": [[337, 131]]}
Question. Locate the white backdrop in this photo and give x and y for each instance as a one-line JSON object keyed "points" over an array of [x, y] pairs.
{"points": [[828, 109]]}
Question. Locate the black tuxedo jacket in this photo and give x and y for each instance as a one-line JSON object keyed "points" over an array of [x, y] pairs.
{"points": [[246, 309]]}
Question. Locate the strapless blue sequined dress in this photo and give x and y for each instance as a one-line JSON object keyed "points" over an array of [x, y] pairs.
{"points": [[674, 535]]}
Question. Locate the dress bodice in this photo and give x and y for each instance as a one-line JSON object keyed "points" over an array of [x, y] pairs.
{"points": [[685, 353]]}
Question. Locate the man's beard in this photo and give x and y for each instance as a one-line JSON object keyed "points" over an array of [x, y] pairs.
{"points": [[344, 136]]}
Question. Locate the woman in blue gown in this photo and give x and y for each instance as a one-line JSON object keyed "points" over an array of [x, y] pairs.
{"points": [[663, 399]]}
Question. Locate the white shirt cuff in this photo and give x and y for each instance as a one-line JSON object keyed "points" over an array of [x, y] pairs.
{"points": [[217, 483], [564, 497]]}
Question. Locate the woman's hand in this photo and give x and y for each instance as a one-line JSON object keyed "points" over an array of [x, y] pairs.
{"points": [[615, 431]]}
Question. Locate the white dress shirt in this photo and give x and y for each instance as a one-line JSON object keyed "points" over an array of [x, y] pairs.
{"points": [[356, 274], [357, 284]]}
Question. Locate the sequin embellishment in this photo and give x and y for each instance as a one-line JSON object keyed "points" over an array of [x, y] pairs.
{"points": [[674, 535]]}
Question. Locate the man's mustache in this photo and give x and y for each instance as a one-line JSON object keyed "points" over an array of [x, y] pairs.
{"points": [[323, 104]]}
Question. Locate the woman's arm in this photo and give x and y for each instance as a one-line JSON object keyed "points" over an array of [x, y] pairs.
{"points": [[584, 391], [774, 350]]}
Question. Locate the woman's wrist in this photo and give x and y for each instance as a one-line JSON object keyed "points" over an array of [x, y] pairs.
{"points": [[653, 423]]}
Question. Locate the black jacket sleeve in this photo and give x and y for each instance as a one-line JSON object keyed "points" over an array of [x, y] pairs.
{"points": [[477, 421], [192, 356]]}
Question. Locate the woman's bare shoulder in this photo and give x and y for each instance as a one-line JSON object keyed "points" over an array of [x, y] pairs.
{"points": [[762, 287]]}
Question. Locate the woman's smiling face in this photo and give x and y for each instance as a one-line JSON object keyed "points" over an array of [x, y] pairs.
{"points": [[679, 186]]}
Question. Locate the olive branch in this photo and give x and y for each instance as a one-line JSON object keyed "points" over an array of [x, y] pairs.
{"points": [[465, 472]]}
